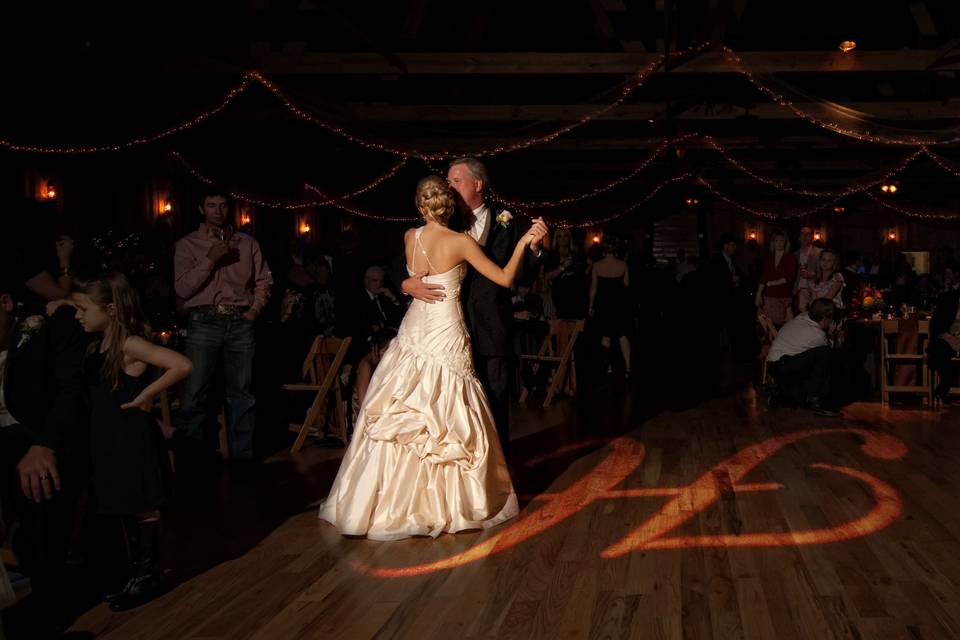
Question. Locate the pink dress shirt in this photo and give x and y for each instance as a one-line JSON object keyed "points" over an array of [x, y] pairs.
{"points": [[242, 278]]}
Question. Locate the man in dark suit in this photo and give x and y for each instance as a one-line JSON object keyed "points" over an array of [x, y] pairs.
{"points": [[487, 306], [945, 337], [369, 312], [42, 439]]}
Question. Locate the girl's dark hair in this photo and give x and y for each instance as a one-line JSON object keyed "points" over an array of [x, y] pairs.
{"points": [[127, 318]]}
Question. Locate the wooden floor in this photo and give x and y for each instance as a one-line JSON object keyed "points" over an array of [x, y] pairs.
{"points": [[720, 521]]}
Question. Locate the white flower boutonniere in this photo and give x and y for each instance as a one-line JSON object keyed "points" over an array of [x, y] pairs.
{"points": [[30, 326], [504, 218]]}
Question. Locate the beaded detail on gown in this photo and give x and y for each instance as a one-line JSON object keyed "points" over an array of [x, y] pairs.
{"points": [[425, 458]]}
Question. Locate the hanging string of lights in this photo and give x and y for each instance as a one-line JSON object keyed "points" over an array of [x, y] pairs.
{"points": [[392, 171], [912, 214], [548, 204], [852, 188], [593, 222], [230, 96], [279, 204], [942, 162], [628, 88], [251, 77], [767, 214], [735, 61]]}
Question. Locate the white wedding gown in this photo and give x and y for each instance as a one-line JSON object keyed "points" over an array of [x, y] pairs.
{"points": [[425, 457]]}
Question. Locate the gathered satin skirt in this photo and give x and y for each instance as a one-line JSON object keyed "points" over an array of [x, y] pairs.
{"points": [[425, 458]]}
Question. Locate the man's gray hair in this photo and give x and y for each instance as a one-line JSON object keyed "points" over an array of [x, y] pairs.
{"points": [[476, 169], [372, 270]]}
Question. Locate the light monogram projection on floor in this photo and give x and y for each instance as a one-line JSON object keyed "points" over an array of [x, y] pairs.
{"points": [[719, 483]]}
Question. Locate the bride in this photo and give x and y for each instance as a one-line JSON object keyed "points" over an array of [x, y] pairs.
{"points": [[425, 458]]}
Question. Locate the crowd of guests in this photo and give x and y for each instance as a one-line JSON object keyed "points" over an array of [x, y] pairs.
{"points": [[80, 367]]}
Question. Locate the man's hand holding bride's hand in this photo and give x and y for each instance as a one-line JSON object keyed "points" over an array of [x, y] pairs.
{"points": [[415, 287], [537, 232]]}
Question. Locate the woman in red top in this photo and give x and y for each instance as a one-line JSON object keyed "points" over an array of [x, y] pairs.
{"points": [[776, 279]]}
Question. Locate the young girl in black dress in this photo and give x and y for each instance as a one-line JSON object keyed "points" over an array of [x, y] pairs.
{"points": [[129, 459]]}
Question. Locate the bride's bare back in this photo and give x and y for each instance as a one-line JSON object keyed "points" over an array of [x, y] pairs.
{"points": [[438, 250]]}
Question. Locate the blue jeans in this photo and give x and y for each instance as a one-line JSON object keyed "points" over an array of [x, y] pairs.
{"points": [[209, 337]]}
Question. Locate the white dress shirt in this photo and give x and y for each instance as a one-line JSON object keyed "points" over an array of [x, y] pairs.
{"points": [[799, 335], [6, 420], [479, 228]]}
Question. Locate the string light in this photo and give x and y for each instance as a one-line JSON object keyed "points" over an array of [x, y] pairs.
{"points": [[230, 96], [251, 77], [855, 187], [596, 222], [737, 63], [546, 204], [767, 214], [909, 213], [287, 205], [942, 163], [392, 171]]}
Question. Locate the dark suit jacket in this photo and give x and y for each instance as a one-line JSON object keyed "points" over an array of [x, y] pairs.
{"points": [[488, 306], [44, 382], [945, 312]]}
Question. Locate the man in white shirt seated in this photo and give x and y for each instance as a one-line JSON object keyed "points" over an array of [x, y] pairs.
{"points": [[800, 359]]}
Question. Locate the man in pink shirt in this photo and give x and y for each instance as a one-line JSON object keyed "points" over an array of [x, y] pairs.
{"points": [[225, 283]]}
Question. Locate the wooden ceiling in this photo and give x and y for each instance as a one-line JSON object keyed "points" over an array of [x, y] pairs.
{"points": [[462, 76]]}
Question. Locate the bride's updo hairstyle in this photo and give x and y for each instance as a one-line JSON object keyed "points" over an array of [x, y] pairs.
{"points": [[435, 198]]}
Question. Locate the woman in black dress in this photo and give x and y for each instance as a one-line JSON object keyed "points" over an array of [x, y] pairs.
{"points": [[129, 459], [610, 305]]}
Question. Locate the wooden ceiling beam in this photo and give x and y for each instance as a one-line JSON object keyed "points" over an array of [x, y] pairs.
{"points": [[590, 62]]}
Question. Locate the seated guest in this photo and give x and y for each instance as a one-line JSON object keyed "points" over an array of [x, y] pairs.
{"points": [[564, 277], [369, 311], [903, 292], [945, 335], [378, 346], [43, 439], [828, 282], [777, 276], [800, 358]]}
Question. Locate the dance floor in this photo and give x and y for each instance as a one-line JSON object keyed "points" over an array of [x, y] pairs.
{"points": [[723, 520]]}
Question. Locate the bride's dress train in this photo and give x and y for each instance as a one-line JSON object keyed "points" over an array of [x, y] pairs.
{"points": [[425, 458]]}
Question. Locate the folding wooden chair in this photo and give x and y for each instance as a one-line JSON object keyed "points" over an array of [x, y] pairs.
{"points": [[935, 380], [321, 375], [889, 330], [768, 333], [557, 351]]}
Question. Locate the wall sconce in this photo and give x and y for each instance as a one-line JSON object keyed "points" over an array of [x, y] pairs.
{"points": [[46, 191], [817, 236], [847, 46], [245, 219], [596, 238], [752, 235], [889, 188], [839, 209], [304, 228], [691, 202], [891, 235]]}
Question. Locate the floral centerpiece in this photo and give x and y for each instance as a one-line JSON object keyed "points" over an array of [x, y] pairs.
{"points": [[868, 301]]}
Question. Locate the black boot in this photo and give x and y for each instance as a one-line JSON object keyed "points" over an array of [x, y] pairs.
{"points": [[146, 580]]}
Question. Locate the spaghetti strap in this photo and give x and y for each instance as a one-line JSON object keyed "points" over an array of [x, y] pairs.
{"points": [[419, 245]]}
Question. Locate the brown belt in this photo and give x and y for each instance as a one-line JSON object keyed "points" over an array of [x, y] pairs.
{"points": [[221, 309]]}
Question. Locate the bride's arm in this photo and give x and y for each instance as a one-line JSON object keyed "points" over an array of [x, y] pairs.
{"points": [[473, 254]]}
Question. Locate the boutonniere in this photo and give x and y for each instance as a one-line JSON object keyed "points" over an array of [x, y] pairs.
{"points": [[504, 218], [30, 326]]}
